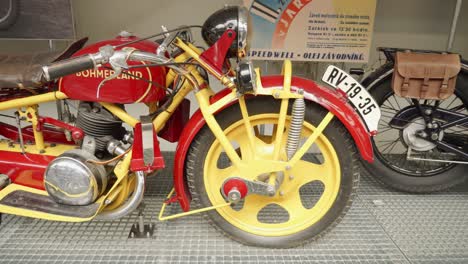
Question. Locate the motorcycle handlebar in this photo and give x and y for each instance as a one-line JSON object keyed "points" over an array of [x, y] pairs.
{"points": [[69, 66], [117, 59]]}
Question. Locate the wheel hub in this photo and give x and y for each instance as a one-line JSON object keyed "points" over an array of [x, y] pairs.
{"points": [[234, 189], [412, 136]]}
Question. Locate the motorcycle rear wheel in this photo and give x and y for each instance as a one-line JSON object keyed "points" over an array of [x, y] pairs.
{"points": [[307, 205], [410, 176]]}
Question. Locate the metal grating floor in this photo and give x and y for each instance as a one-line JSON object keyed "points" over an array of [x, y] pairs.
{"points": [[383, 226]]}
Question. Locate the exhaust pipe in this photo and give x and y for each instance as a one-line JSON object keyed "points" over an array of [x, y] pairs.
{"points": [[131, 204]]}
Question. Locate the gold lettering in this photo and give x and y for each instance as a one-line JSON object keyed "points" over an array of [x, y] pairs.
{"points": [[132, 75], [100, 73]]}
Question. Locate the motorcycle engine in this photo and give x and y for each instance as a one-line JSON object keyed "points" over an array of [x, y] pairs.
{"points": [[70, 179], [100, 124]]}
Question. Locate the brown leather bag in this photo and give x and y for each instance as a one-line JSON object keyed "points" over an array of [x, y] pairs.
{"points": [[425, 75]]}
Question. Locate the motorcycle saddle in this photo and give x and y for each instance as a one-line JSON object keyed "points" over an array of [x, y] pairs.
{"points": [[24, 71]]}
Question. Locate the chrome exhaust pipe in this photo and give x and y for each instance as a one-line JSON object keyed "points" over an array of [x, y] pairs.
{"points": [[131, 204]]}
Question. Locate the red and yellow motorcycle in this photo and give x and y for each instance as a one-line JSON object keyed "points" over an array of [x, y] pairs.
{"points": [[270, 160]]}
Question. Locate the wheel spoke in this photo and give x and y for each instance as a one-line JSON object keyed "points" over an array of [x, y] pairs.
{"points": [[453, 100], [396, 102], [457, 108], [385, 130], [390, 145], [387, 108], [246, 147], [247, 124], [392, 106]]}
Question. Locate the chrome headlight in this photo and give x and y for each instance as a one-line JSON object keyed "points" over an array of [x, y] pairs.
{"points": [[243, 30], [230, 17]]}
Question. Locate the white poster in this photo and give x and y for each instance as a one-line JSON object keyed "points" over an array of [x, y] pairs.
{"points": [[312, 30]]}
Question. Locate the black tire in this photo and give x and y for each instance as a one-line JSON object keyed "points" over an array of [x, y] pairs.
{"points": [[336, 134], [379, 86]]}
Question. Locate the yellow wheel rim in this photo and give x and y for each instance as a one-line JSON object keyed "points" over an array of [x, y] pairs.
{"points": [[288, 197]]}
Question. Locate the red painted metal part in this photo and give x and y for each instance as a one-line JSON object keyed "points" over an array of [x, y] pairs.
{"points": [[336, 103], [51, 134], [326, 97], [236, 184], [137, 163], [76, 133], [125, 89], [174, 126], [24, 169], [216, 54]]}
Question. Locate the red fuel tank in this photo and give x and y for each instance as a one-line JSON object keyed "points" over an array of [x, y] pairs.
{"points": [[126, 88]]}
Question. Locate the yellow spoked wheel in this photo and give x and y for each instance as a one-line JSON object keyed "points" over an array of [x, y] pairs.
{"points": [[312, 196]]}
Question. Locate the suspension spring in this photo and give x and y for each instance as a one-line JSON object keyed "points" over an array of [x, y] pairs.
{"points": [[295, 128]]}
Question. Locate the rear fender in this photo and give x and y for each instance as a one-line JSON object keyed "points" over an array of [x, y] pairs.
{"points": [[330, 99]]}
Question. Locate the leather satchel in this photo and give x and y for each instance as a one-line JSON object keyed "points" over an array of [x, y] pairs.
{"points": [[425, 75]]}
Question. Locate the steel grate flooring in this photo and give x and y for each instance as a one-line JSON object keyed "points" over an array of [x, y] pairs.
{"points": [[383, 226]]}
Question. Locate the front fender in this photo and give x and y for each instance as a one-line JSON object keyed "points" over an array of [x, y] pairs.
{"points": [[330, 99]]}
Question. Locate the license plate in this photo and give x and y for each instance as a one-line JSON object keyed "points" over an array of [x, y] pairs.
{"points": [[358, 96]]}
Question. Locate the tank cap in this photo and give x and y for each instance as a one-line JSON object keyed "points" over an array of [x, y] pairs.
{"points": [[125, 34]]}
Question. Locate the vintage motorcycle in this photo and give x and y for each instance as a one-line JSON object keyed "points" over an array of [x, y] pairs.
{"points": [[270, 160], [422, 144]]}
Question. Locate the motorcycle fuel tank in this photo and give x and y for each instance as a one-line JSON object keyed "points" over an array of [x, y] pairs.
{"points": [[126, 88]]}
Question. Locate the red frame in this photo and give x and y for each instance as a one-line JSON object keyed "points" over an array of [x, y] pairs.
{"points": [[25, 169], [51, 134], [76, 133], [137, 162], [215, 55], [330, 99]]}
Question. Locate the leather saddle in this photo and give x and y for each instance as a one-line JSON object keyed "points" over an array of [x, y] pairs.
{"points": [[24, 71]]}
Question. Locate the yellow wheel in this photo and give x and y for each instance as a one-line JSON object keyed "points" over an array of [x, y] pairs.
{"points": [[313, 195]]}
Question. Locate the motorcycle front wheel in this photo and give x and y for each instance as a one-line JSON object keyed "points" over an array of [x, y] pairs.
{"points": [[391, 166], [313, 196]]}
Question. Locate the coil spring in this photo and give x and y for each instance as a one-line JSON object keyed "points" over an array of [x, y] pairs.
{"points": [[295, 128]]}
